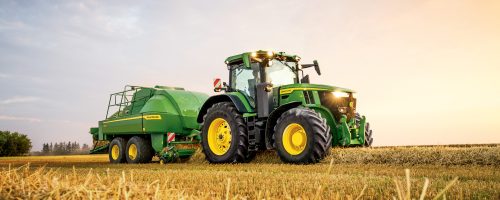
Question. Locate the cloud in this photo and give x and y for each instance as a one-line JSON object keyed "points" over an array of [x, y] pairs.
{"points": [[4, 75], [11, 25], [13, 118], [34, 79], [15, 100]]}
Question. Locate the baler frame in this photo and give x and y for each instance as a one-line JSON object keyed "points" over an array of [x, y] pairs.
{"points": [[124, 97]]}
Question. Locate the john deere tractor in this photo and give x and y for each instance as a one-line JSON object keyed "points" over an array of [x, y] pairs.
{"points": [[270, 104]]}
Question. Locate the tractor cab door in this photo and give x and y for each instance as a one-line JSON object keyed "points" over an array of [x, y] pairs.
{"points": [[250, 82], [245, 80]]}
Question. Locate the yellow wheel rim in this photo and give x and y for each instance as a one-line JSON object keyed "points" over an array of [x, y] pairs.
{"points": [[294, 139], [115, 152], [219, 136], [132, 151]]}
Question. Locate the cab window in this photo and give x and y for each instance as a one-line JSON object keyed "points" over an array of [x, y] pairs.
{"points": [[245, 79]]}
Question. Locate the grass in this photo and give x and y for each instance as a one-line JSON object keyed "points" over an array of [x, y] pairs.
{"points": [[354, 173]]}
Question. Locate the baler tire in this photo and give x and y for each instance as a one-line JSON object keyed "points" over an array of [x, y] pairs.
{"points": [[368, 132], [317, 133], [144, 152], [238, 148], [121, 145]]}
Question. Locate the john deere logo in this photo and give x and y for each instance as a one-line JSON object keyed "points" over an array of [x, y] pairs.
{"points": [[152, 117]]}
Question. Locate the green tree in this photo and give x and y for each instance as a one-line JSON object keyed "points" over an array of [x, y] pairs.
{"points": [[14, 144]]}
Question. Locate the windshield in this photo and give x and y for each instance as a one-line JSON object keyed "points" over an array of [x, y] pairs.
{"points": [[281, 74]]}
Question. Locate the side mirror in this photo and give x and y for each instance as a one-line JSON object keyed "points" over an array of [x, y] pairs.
{"points": [[316, 67], [305, 79]]}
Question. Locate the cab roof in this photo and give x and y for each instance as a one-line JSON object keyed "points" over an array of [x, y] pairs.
{"points": [[244, 56]]}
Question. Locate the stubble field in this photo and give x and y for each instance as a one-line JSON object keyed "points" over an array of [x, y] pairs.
{"points": [[466, 172]]}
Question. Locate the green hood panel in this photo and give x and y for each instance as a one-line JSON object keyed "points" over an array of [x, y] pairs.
{"points": [[286, 89]]}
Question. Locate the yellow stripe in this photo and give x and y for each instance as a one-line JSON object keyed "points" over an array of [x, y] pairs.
{"points": [[146, 117], [290, 90]]}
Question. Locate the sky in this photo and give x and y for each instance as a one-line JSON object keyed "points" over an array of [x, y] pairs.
{"points": [[426, 72]]}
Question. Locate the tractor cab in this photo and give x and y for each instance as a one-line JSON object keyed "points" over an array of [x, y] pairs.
{"points": [[262, 76]]}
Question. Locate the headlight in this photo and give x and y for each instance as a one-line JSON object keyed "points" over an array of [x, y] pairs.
{"points": [[343, 109], [340, 94], [270, 54], [268, 88]]}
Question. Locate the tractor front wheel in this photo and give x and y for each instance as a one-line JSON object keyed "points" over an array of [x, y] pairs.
{"points": [[302, 136], [224, 135], [368, 131]]}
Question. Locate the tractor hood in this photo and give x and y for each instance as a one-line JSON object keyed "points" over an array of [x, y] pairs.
{"points": [[286, 89]]}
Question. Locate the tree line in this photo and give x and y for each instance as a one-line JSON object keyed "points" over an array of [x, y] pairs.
{"points": [[14, 144], [62, 148]]}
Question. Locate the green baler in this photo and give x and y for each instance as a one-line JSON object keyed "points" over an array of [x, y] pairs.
{"points": [[148, 121]]}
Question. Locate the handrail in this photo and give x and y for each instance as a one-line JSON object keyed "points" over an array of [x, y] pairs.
{"points": [[126, 100]]}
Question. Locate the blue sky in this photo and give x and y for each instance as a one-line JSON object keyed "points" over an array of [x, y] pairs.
{"points": [[426, 71]]}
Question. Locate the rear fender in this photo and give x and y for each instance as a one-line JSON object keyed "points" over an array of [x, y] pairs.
{"points": [[238, 100]]}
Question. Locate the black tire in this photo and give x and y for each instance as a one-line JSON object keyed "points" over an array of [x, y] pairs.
{"points": [[317, 133], [183, 159], [250, 156], [329, 139], [238, 148], [144, 151], [120, 143], [368, 132]]}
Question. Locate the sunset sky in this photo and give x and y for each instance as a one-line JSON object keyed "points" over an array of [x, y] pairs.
{"points": [[426, 72]]}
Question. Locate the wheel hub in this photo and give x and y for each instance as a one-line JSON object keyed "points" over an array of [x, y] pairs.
{"points": [[219, 136], [294, 139], [115, 152], [297, 139], [132, 151]]}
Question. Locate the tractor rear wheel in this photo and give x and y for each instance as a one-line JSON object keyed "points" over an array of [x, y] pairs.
{"points": [[224, 135], [117, 150], [139, 150], [368, 132], [302, 136]]}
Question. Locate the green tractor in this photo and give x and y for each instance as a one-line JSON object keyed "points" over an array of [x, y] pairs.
{"points": [[270, 104]]}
